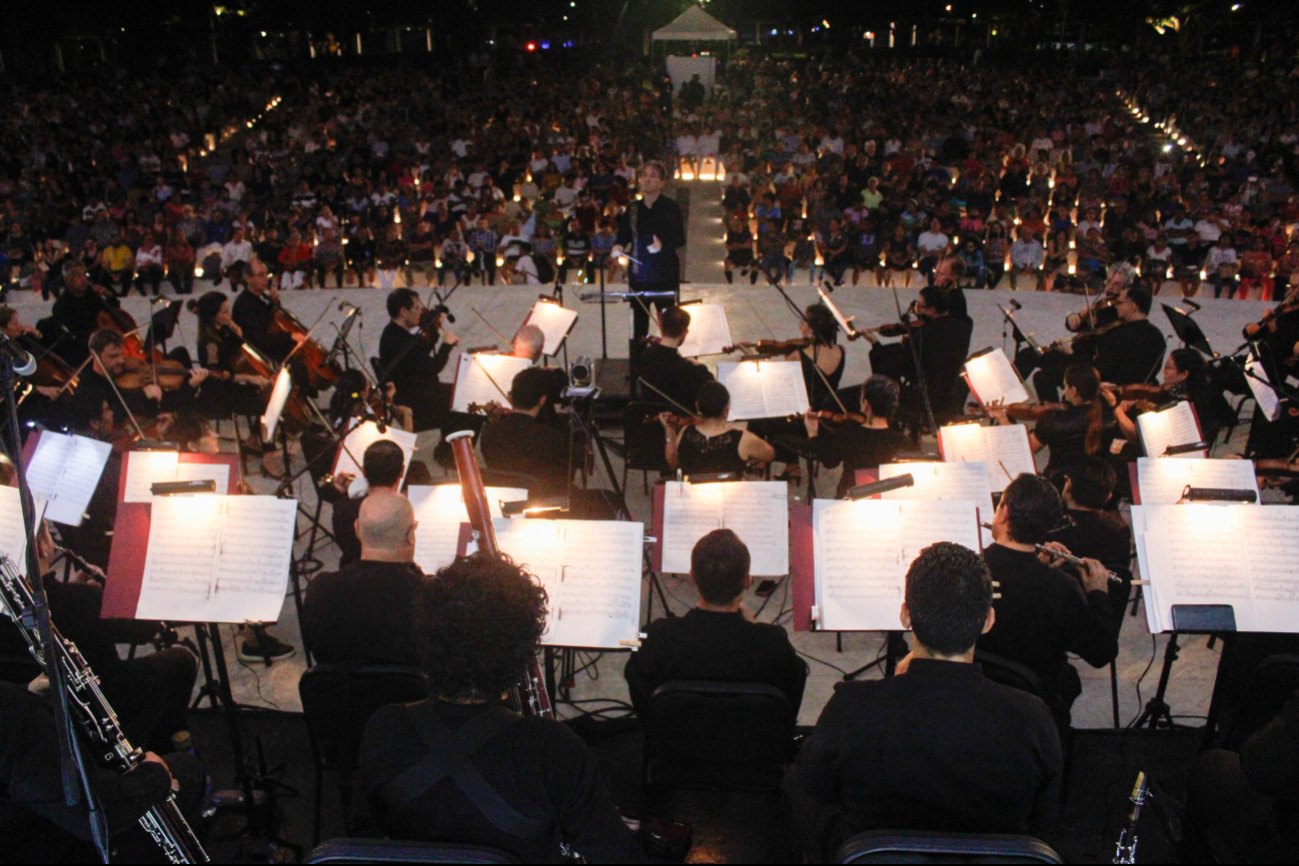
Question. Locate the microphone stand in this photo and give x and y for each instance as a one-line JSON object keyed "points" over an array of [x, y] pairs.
{"points": [[921, 382], [73, 775]]}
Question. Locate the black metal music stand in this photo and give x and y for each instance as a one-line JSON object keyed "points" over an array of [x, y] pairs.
{"points": [[1187, 330], [1157, 712], [895, 648]]}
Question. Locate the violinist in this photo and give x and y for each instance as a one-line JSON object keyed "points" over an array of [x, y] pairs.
{"points": [[1186, 377], [820, 330], [1131, 350], [520, 444], [862, 441], [78, 309], [710, 444], [355, 397], [254, 313], [27, 338], [1073, 433], [942, 341], [662, 365], [408, 358], [528, 343]]}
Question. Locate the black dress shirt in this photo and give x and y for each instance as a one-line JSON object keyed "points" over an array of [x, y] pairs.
{"points": [[1064, 433], [708, 645], [80, 315], [940, 747], [523, 445], [539, 767], [346, 511], [254, 316], [665, 369], [664, 221], [856, 447], [413, 370], [1102, 535], [93, 390], [366, 612], [1131, 353], [1042, 616]]}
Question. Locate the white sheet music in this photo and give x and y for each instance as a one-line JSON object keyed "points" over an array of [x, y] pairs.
{"points": [[1004, 450], [1162, 480], [764, 389], [944, 481], [591, 570], [757, 511], [993, 379], [217, 558], [440, 510], [1271, 541], [65, 470], [1264, 394], [862, 551], [1175, 425], [555, 321], [144, 469], [13, 532], [275, 405], [352, 453], [710, 332], [475, 375]]}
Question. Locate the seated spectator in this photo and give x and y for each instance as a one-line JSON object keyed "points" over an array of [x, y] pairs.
{"points": [[479, 622], [938, 746], [717, 639], [366, 611], [1043, 614]]}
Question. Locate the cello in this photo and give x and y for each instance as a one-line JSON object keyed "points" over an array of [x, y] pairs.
{"points": [[322, 370]]}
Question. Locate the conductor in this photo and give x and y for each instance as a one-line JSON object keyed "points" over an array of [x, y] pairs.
{"points": [[651, 231]]}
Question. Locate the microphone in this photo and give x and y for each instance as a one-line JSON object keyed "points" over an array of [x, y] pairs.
{"points": [[865, 491], [23, 362], [1016, 304]]}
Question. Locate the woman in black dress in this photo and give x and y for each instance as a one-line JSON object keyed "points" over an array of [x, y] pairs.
{"points": [[220, 346], [712, 444]]}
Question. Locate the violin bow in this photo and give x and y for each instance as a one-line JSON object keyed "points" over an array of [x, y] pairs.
{"points": [[498, 334], [120, 398], [483, 367], [71, 379], [641, 379]]}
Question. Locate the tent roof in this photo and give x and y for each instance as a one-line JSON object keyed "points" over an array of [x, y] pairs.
{"points": [[694, 25]]}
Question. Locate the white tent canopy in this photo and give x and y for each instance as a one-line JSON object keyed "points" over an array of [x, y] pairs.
{"points": [[694, 25]]}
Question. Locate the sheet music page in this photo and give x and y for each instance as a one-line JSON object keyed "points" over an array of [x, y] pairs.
{"points": [[690, 511], [709, 333], [13, 532], [474, 377], [927, 522], [1004, 450], [591, 570], [1271, 537], [275, 405], [1265, 395], [440, 510], [783, 388], [857, 564], [144, 468], [1173, 426], [554, 321], [352, 453], [758, 512], [960, 481], [1149, 593], [217, 472], [1162, 480], [66, 470], [993, 379], [745, 385], [1197, 557], [217, 558]]}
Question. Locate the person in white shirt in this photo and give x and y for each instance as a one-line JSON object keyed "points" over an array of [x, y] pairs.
{"points": [[1159, 258], [1026, 257], [235, 256], [566, 194], [932, 245], [148, 264], [1221, 265], [688, 151], [831, 142]]}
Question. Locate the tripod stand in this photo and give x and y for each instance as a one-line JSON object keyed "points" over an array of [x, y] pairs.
{"points": [[1157, 711]]}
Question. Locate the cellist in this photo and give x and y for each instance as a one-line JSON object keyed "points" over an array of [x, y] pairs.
{"points": [[254, 313], [78, 309]]}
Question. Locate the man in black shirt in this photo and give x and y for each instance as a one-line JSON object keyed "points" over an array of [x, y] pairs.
{"points": [[528, 343], [94, 407], [410, 363], [651, 231], [427, 767], [860, 446], [382, 464], [942, 341], [254, 313], [670, 375], [521, 444], [366, 611], [1044, 614], [938, 746], [718, 640], [78, 309], [1131, 352]]}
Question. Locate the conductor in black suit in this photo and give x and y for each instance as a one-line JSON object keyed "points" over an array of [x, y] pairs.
{"points": [[650, 232]]}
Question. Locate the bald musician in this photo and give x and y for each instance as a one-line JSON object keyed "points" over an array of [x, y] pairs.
{"points": [[366, 611]]}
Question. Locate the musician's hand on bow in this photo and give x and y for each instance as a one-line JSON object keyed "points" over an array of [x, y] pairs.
{"points": [[997, 411], [657, 246], [812, 423], [1047, 559], [197, 376], [1095, 577], [390, 390], [153, 392], [1254, 327], [668, 422], [449, 338], [1109, 396], [49, 391], [252, 379], [343, 481]]}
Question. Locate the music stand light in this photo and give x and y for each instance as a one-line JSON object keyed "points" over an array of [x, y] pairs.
{"points": [[1218, 494], [866, 491]]}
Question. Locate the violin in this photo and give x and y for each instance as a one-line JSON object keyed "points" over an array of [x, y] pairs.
{"points": [[51, 370], [894, 329], [1289, 305], [1090, 318], [322, 370], [1031, 411], [1152, 392], [1276, 468], [429, 325], [493, 410], [673, 419], [840, 417], [770, 348], [1085, 335]]}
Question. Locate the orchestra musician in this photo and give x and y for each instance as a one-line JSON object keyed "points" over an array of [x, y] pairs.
{"points": [[383, 465], [1083, 427], [937, 747], [365, 611], [863, 443], [254, 313], [412, 359], [355, 397], [78, 309], [1093, 531], [718, 639], [520, 444], [651, 231], [942, 342], [709, 443], [822, 354], [662, 365], [529, 342], [227, 390], [478, 623], [1043, 614], [1186, 377], [39, 405], [1128, 351]]}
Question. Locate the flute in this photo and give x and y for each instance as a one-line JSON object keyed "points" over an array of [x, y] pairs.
{"points": [[1072, 560]]}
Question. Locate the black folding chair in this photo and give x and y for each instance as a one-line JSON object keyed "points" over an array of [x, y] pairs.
{"points": [[390, 851], [643, 441], [337, 701], [892, 846]]}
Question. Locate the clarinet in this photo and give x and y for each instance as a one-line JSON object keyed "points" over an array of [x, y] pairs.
{"points": [[1125, 850], [164, 822], [529, 696]]}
